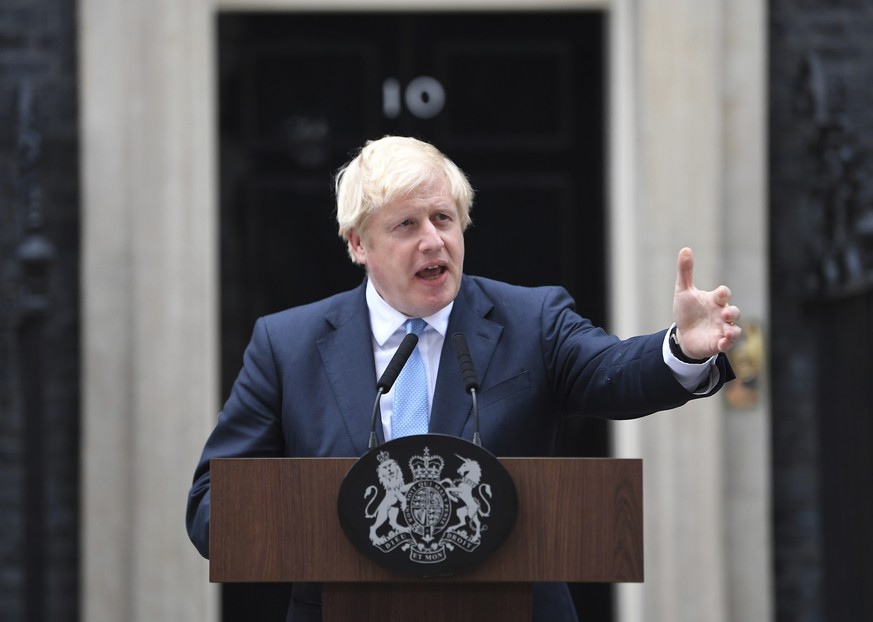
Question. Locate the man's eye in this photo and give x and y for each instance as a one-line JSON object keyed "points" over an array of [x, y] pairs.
{"points": [[405, 223]]}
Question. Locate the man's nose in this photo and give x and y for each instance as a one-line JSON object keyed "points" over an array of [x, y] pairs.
{"points": [[430, 238]]}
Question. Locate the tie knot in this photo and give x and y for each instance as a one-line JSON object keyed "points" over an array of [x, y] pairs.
{"points": [[415, 325]]}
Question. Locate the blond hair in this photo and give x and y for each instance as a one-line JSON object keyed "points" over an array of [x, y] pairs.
{"points": [[387, 169]]}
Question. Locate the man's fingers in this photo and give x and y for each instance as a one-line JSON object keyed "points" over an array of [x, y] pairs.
{"points": [[684, 270], [731, 336], [723, 295], [730, 314]]}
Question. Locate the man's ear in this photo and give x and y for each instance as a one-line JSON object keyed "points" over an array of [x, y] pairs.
{"points": [[357, 247]]}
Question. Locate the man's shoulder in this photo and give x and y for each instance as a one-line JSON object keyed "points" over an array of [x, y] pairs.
{"points": [[333, 309], [502, 290]]}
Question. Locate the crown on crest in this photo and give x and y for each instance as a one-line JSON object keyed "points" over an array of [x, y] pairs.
{"points": [[426, 466]]}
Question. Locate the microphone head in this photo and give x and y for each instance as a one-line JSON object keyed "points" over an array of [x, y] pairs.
{"points": [[404, 350], [465, 362]]}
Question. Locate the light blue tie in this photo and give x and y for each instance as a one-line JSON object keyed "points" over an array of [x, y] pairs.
{"points": [[410, 391]]}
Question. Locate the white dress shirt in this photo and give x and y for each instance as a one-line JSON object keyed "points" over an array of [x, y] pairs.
{"points": [[388, 331]]}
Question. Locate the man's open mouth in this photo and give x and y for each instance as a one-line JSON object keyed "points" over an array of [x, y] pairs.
{"points": [[431, 272]]}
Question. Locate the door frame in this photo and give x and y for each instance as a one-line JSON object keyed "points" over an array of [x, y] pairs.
{"points": [[679, 150]]}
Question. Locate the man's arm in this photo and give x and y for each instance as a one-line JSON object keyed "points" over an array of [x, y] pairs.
{"points": [[247, 426]]}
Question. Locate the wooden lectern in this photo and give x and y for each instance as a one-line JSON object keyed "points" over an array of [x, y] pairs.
{"points": [[275, 520]]}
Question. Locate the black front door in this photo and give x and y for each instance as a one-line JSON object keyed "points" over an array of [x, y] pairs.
{"points": [[515, 99]]}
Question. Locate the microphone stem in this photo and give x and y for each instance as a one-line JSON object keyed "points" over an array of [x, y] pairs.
{"points": [[377, 411], [477, 440]]}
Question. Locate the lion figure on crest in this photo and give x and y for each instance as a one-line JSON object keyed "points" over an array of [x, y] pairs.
{"points": [[391, 478]]}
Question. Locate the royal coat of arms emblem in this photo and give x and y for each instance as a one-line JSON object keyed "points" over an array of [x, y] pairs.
{"points": [[452, 504], [430, 514]]}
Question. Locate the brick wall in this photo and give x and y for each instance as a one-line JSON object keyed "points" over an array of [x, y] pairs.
{"points": [[821, 126], [39, 325], [818, 50]]}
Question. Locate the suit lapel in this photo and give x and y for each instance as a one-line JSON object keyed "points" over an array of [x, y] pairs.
{"points": [[452, 406], [347, 356]]}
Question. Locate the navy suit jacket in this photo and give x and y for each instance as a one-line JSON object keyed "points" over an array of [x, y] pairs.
{"points": [[308, 380]]}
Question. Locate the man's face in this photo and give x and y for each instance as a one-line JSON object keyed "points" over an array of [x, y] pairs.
{"points": [[413, 249]]}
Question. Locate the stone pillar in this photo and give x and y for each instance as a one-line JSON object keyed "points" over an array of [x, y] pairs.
{"points": [[746, 266], [694, 74], [149, 302]]}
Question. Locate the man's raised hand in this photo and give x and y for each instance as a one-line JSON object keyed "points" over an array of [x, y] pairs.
{"points": [[705, 320]]}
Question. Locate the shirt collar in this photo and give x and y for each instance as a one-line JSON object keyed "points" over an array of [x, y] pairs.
{"points": [[385, 320]]}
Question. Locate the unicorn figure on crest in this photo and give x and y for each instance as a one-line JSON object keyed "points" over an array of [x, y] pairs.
{"points": [[463, 490]]}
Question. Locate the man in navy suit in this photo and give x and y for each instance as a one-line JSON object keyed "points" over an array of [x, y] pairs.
{"points": [[309, 373]]}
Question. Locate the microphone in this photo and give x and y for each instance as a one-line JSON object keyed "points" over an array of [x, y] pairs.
{"points": [[468, 375], [404, 350]]}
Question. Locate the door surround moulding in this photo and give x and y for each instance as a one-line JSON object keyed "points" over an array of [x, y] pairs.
{"points": [[150, 265]]}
